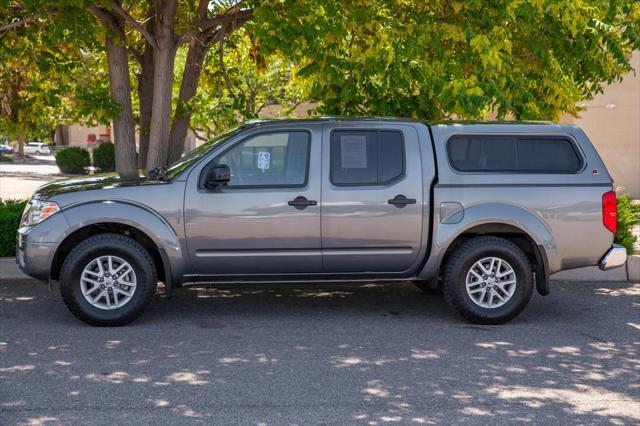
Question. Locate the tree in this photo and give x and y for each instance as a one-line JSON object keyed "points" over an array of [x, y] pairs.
{"points": [[427, 60], [150, 32], [46, 80], [167, 28], [442, 59], [239, 83]]}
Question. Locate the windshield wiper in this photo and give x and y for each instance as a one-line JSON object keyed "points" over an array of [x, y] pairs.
{"points": [[158, 173]]}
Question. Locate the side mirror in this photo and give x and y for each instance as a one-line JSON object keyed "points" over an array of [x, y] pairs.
{"points": [[217, 175]]}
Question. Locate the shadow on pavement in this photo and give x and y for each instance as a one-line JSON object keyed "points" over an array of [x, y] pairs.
{"points": [[372, 354]]}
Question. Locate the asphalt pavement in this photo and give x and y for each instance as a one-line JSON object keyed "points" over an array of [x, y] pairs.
{"points": [[372, 354]]}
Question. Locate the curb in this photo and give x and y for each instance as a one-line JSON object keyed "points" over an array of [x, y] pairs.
{"points": [[633, 268], [630, 272], [9, 271]]}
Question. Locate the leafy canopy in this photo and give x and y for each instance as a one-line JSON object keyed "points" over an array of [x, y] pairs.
{"points": [[50, 71], [532, 59]]}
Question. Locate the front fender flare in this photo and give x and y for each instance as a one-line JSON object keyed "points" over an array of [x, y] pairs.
{"points": [[128, 213]]}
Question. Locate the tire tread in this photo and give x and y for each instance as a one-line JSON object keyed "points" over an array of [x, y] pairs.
{"points": [[454, 261], [94, 242]]}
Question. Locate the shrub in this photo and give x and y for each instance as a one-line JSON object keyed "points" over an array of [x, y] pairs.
{"points": [[10, 214], [73, 160], [628, 215], [5, 159], [104, 157]]}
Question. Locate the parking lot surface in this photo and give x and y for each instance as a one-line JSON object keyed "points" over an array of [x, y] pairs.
{"points": [[372, 354]]}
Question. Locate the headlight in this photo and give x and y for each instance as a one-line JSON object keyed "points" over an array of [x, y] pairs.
{"points": [[38, 210]]}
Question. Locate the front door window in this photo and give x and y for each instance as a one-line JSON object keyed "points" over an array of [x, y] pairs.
{"points": [[270, 159]]}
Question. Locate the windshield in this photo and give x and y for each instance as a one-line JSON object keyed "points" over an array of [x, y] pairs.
{"points": [[188, 159]]}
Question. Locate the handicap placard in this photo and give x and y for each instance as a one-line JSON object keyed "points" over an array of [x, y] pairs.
{"points": [[264, 159]]}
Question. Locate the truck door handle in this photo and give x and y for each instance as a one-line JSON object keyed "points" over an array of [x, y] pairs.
{"points": [[400, 201], [302, 203]]}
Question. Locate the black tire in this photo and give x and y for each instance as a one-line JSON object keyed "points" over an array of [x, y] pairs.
{"points": [[100, 245], [461, 261], [433, 286]]}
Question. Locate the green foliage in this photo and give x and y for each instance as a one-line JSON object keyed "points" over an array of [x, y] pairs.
{"points": [[104, 157], [73, 160], [5, 159], [51, 71], [243, 85], [447, 59], [10, 214], [628, 216]]}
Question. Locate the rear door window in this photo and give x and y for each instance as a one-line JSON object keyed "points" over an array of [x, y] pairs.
{"points": [[514, 154], [366, 157]]}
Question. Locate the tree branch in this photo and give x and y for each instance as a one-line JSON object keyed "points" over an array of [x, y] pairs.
{"points": [[19, 22], [134, 23], [223, 69], [135, 54], [195, 132], [234, 17], [107, 19]]}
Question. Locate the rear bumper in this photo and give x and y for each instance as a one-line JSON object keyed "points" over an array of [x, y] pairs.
{"points": [[615, 257]]}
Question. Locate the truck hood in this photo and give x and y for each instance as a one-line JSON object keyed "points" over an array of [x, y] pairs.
{"points": [[88, 183]]}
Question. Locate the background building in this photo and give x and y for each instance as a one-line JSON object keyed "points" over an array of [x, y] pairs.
{"points": [[612, 122]]}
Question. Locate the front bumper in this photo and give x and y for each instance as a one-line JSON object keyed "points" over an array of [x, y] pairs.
{"points": [[34, 258], [615, 257]]}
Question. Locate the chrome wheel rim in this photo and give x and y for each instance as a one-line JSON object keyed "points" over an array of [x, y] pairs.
{"points": [[108, 282], [491, 282]]}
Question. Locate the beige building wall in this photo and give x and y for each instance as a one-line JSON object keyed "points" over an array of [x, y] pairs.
{"points": [[612, 122], [77, 134]]}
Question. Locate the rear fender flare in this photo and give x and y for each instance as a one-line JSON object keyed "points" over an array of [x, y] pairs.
{"points": [[491, 213]]}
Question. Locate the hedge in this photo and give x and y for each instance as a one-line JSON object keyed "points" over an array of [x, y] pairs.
{"points": [[10, 214], [104, 157], [73, 160], [628, 215]]}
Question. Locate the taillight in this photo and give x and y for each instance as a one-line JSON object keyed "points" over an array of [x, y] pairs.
{"points": [[610, 211]]}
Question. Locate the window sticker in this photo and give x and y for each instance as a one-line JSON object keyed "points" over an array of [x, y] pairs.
{"points": [[264, 160], [353, 150]]}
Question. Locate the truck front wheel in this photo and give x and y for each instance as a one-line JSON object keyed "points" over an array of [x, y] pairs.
{"points": [[488, 280], [108, 280]]}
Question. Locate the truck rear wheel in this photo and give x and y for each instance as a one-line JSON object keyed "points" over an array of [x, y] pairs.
{"points": [[488, 280], [108, 280]]}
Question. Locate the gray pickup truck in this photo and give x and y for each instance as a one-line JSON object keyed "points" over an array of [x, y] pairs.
{"points": [[483, 211]]}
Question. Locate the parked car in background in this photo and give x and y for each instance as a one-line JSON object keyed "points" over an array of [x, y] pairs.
{"points": [[485, 210], [6, 149], [36, 148]]}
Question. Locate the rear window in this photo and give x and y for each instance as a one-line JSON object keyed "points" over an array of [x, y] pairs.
{"points": [[515, 154]]}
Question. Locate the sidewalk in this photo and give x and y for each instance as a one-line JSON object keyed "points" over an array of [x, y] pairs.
{"points": [[20, 179]]}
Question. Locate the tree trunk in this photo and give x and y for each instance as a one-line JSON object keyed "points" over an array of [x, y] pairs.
{"points": [[145, 95], [61, 135], [163, 63], [188, 89], [123, 123], [20, 145]]}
